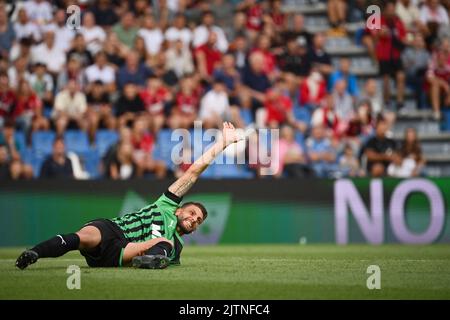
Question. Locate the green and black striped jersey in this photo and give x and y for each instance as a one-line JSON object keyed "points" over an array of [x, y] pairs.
{"points": [[154, 221]]}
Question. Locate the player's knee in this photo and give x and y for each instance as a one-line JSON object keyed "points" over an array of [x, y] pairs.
{"points": [[89, 236]]}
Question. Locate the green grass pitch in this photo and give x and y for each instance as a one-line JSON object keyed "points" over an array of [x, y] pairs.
{"points": [[245, 272]]}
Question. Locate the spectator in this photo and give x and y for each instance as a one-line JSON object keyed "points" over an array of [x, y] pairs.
{"points": [[214, 106], [202, 33], [239, 50], [292, 159], [126, 30], [49, 54], [343, 102], [412, 150], [361, 125], [42, 83], [152, 35], [229, 75], [349, 164], [438, 78], [207, 57], [122, 166], [263, 45], [129, 105], [379, 150], [318, 57], [143, 143], [57, 165], [255, 12], [7, 99], [7, 34], [344, 73], [389, 42], [79, 51], [20, 49], [18, 71], [99, 113], [28, 111], [63, 34], [70, 109], [101, 71], [93, 35], [433, 16], [278, 107], [24, 28], [179, 32], [72, 71], [255, 79], [416, 58], [312, 90], [298, 31], [12, 168], [294, 58], [185, 110], [409, 14], [39, 11], [133, 71], [372, 94], [179, 59], [104, 13], [321, 153], [156, 96]]}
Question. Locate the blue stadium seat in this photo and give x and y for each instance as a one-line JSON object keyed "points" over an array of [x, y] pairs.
{"points": [[42, 142], [20, 140], [104, 139], [163, 147], [33, 159], [231, 171], [247, 116], [91, 161], [302, 114], [76, 141]]}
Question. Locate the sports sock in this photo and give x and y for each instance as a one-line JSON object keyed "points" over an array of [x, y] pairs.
{"points": [[162, 248], [57, 246]]}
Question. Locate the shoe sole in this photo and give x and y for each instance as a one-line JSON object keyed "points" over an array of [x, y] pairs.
{"points": [[26, 256], [150, 262]]}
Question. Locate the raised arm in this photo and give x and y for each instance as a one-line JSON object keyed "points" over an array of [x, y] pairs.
{"points": [[187, 180]]}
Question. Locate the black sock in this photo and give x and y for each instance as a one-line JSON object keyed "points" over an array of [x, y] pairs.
{"points": [[57, 246], [162, 248]]}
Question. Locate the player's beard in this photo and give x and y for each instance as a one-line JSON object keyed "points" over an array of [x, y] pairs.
{"points": [[181, 226]]}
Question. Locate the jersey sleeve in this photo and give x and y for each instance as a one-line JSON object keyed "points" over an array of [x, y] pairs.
{"points": [[168, 202]]}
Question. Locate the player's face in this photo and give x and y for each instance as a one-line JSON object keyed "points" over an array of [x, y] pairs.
{"points": [[189, 218]]}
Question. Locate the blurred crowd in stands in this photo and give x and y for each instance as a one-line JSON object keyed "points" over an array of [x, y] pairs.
{"points": [[136, 69]]}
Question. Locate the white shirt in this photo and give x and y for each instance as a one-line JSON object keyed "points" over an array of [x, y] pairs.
{"points": [[214, 103], [27, 30], [153, 39], [201, 34], [440, 16], [38, 12], [72, 105], [94, 37], [405, 170], [174, 34], [105, 74], [54, 58], [14, 76], [63, 38]]}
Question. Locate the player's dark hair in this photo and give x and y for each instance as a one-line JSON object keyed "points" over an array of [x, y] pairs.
{"points": [[198, 205]]}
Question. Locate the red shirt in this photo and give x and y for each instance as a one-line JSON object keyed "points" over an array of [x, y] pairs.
{"points": [[145, 144], [269, 60], [7, 101], [212, 56], [154, 101], [254, 17], [187, 104], [384, 47], [306, 96], [277, 108], [278, 19], [26, 104]]}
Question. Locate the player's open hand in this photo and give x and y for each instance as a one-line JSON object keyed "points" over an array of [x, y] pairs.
{"points": [[229, 134]]}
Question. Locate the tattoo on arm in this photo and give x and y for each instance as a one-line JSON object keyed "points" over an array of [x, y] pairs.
{"points": [[182, 186]]}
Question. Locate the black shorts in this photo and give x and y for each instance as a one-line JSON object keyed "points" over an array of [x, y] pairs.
{"points": [[110, 250], [390, 67]]}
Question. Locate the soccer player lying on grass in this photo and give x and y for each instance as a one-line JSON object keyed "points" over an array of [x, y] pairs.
{"points": [[149, 238]]}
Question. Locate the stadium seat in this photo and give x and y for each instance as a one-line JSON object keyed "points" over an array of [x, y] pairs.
{"points": [[33, 159], [20, 140], [247, 116], [104, 139], [76, 141], [231, 171], [91, 162], [163, 147], [42, 142]]}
